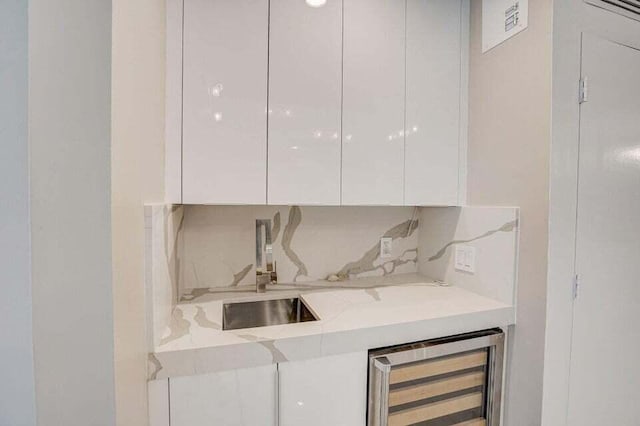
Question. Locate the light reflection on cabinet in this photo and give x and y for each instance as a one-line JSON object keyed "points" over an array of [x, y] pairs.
{"points": [[316, 392], [373, 102], [356, 102], [305, 89], [224, 141]]}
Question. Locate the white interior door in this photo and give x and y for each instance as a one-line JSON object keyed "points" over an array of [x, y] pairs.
{"points": [[605, 355]]}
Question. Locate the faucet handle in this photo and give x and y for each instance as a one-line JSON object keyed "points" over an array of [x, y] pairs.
{"points": [[274, 273]]}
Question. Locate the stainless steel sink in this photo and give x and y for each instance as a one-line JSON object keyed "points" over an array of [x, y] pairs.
{"points": [[265, 312]]}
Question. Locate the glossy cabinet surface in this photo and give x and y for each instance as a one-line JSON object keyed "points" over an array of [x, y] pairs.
{"points": [[356, 102], [305, 89], [224, 140], [324, 391], [432, 136], [245, 397], [373, 102]]}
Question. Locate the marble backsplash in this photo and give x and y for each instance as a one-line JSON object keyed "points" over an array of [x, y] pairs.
{"points": [[217, 247], [163, 225], [195, 250], [491, 231]]}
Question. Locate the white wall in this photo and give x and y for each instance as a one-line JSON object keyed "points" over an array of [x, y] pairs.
{"points": [[69, 147], [509, 138], [138, 71], [570, 19], [17, 394]]}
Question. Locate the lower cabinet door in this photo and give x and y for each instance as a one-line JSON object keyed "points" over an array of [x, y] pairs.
{"points": [[324, 391], [244, 397]]}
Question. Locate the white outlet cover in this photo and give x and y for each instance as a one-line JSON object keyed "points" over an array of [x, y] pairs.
{"points": [[459, 257], [386, 247], [465, 258]]}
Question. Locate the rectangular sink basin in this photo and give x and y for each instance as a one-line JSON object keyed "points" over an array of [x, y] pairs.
{"points": [[265, 312]]}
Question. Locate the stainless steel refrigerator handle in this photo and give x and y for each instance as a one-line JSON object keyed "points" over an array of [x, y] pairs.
{"points": [[384, 367], [494, 388]]}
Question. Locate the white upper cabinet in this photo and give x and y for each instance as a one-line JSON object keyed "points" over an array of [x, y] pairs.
{"points": [[305, 91], [224, 141], [373, 102], [350, 102], [432, 136]]}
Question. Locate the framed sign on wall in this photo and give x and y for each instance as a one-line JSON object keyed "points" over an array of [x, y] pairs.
{"points": [[501, 20]]}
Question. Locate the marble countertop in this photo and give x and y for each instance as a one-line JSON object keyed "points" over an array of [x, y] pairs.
{"points": [[369, 313]]}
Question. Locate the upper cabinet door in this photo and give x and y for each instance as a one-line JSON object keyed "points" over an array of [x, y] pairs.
{"points": [[373, 102], [305, 89], [224, 144], [433, 102]]}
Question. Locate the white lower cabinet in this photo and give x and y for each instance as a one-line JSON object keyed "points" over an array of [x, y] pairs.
{"points": [[324, 391], [244, 397], [317, 392]]}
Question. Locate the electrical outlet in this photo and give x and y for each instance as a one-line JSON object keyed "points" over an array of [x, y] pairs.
{"points": [[465, 258], [386, 246]]}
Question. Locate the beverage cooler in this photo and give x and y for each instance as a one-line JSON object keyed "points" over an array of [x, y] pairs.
{"points": [[453, 381]]}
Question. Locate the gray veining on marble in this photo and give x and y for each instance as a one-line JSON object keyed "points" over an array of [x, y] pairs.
{"points": [[367, 262], [178, 327], [201, 319], [240, 275], [154, 366], [275, 228], [491, 231], [350, 320], [286, 289], [309, 243], [373, 292], [295, 218], [163, 234], [199, 292], [507, 227], [276, 354], [391, 265], [171, 247]]}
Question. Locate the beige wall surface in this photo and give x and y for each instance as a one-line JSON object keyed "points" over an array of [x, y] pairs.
{"points": [[509, 139], [137, 178]]}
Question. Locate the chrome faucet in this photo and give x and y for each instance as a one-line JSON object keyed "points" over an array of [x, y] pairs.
{"points": [[266, 274]]}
